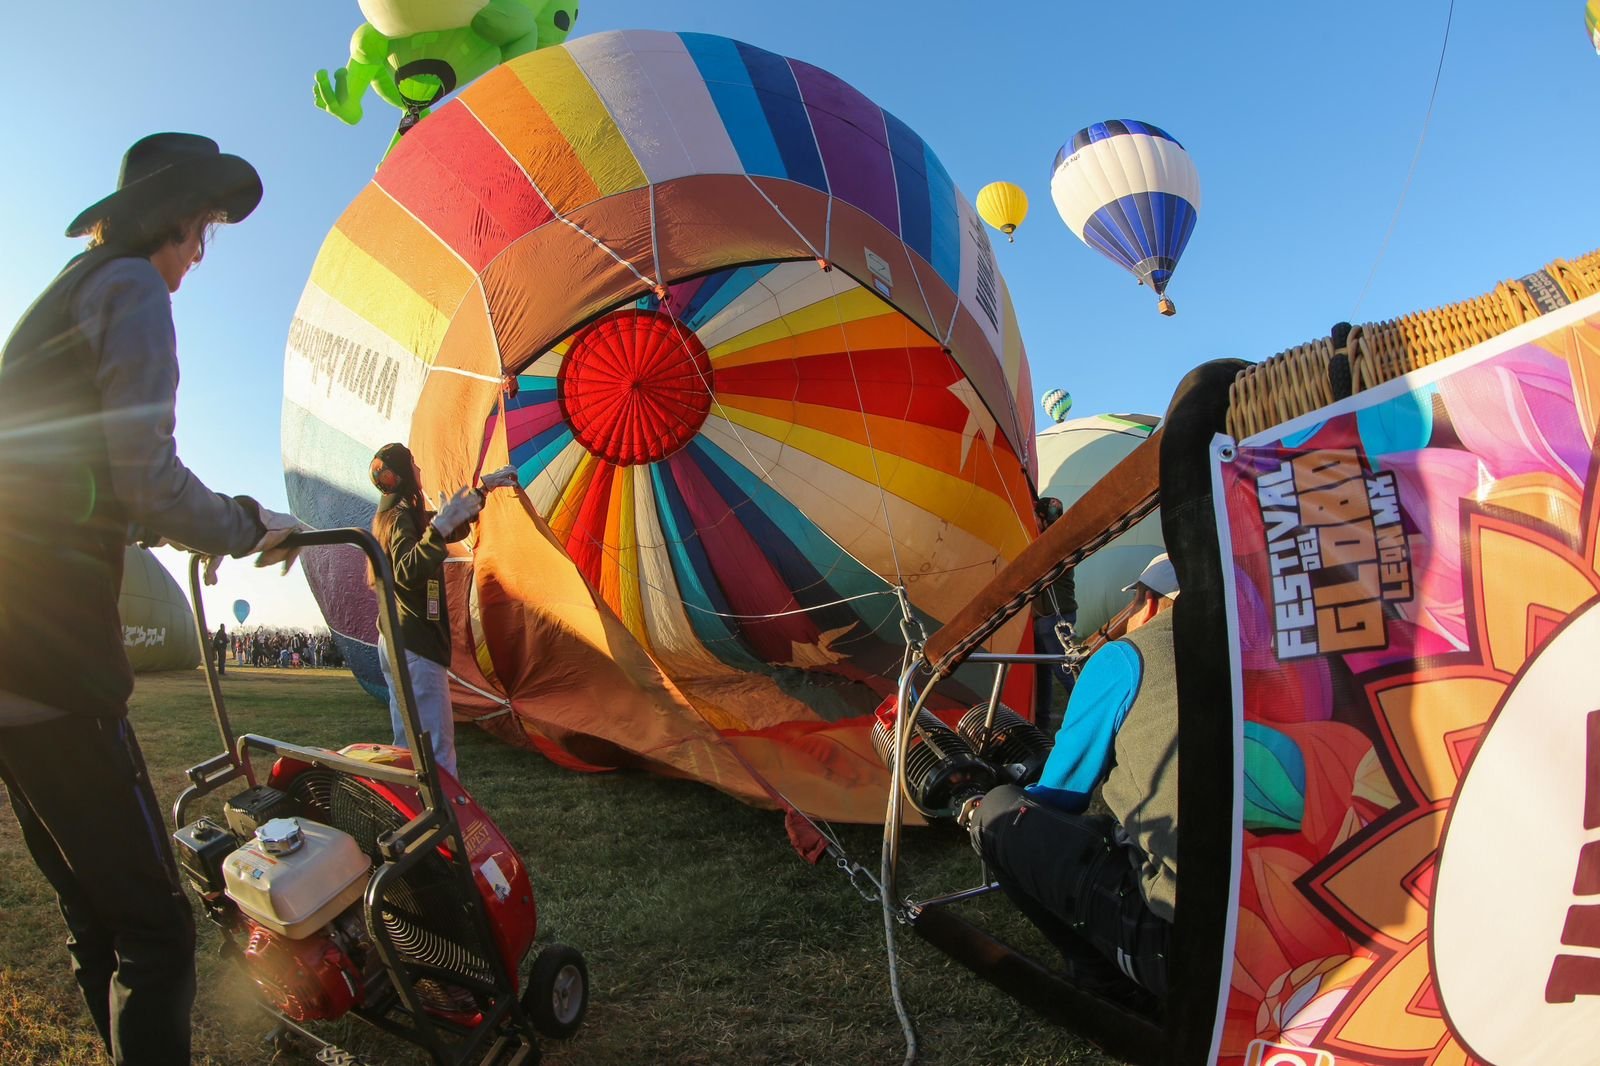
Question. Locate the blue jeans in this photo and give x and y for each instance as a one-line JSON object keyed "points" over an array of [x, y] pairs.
{"points": [[430, 684], [1044, 643]]}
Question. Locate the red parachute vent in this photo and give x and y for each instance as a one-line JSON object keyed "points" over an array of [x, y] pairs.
{"points": [[307, 980], [635, 386]]}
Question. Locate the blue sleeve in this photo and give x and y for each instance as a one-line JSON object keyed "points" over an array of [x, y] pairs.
{"points": [[1082, 753]]}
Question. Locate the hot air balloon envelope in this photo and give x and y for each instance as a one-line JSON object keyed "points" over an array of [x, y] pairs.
{"points": [[1129, 191], [1056, 404], [157, 624], [1073, 455], [1003, 205], [241, 610], [601, 264]]}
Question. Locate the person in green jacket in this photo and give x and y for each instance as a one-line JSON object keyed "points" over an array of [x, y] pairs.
{"points": [[416, 539]]}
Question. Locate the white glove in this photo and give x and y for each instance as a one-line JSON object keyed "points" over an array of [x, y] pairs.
{"points": [[457, 511], [504, 478], [279, 526]]}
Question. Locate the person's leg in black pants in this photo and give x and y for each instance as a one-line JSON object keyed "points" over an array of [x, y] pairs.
{"points": [[1074, 881], [82, 796]]}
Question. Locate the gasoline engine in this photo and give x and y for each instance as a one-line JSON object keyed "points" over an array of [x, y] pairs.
{"points": [[286, 871]]}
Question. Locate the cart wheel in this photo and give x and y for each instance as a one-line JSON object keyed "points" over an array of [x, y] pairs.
{"points": [[558, 991]]}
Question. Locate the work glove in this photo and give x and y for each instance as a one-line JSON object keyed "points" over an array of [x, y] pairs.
{"points": [[504, 478], [457, 511], [267, 550]]}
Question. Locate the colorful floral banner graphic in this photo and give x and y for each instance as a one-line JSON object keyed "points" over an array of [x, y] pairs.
{"points": [[1414, 615]]}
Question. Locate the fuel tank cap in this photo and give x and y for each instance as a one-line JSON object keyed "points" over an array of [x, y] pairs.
{"points": [[280, 836]]}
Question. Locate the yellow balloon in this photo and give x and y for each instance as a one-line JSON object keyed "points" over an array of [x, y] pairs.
{"points": [[1003, 206]]}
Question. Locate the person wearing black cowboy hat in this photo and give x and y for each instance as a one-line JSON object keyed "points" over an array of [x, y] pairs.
{"points": [[88, 384]]}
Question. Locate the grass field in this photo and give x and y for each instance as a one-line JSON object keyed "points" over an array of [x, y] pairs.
{"points": [[708, 940]]}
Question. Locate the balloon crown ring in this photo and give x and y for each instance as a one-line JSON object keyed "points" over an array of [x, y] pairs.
{"points": [[635, 386]]}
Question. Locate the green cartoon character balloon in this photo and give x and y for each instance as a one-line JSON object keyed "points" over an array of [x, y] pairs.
{"points": [[413, 53]]}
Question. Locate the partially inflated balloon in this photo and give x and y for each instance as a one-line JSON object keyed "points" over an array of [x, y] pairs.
{"points": [[1073, 456], [1056, 403], [241, 610], [157, 625], [749, 348], [1004, 206], [1129, 191]]}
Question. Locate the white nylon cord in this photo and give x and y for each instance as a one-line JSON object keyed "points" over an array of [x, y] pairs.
{"points": [[1411, 171], [872, 449]]}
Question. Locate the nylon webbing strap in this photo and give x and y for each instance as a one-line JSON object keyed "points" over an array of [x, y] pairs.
{"points": [[1115, 504]]}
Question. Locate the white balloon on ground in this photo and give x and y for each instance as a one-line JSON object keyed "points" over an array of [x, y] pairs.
{"points": [[1073, 456]]}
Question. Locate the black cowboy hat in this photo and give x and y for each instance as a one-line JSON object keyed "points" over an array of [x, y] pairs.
{"points": [[177, 172]]}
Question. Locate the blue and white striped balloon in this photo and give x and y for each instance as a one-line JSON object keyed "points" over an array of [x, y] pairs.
{"points": [[1056, 403], [1130, 192]]}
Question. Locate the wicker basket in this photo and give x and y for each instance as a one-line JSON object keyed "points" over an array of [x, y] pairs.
{"points": [[1310, 376]]}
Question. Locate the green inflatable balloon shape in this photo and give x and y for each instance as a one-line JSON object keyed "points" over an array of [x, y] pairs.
{"points": [[1073, 455], [157, 624], [414, 53]]}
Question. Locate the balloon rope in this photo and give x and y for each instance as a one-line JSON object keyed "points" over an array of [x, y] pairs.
{"points": [[888, 861], [604, 247], [1411, 172], [872, 449], [779, 212], [785, 614], [711, 394], [1022, 524]]}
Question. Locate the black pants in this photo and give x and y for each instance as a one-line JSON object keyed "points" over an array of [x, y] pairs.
{"points": [[90, 819], [1076, 883]]}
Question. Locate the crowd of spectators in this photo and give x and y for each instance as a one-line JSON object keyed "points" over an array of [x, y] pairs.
{"points": [[287, 648]]}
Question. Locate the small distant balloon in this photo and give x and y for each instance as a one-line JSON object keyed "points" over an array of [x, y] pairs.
{"points": [[1004, 206], [1056, 403], [241, 610]]}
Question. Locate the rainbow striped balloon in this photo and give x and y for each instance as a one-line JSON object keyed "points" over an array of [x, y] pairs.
{"points": [[734, 324]]}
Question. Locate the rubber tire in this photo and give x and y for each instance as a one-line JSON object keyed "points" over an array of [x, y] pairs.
{"points": [[552, 975]]}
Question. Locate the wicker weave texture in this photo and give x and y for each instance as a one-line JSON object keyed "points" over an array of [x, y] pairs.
{"points": [[1297, 381]]}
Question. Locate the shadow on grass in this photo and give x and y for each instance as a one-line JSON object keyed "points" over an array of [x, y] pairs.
{"points": [[708, 940]]}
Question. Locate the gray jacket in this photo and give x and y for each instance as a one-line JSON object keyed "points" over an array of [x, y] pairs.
{"points": [[88, 385]]}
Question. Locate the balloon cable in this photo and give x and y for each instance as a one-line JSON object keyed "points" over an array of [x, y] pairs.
{"points": [[889, 859], [711, 394], [1410, 173], [866, 429]]}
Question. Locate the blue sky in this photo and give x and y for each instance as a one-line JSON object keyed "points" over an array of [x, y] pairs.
{"points": [[1302, 119]]}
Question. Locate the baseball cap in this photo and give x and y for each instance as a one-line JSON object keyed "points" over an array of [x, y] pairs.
{"points": [[1159, 577]]}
